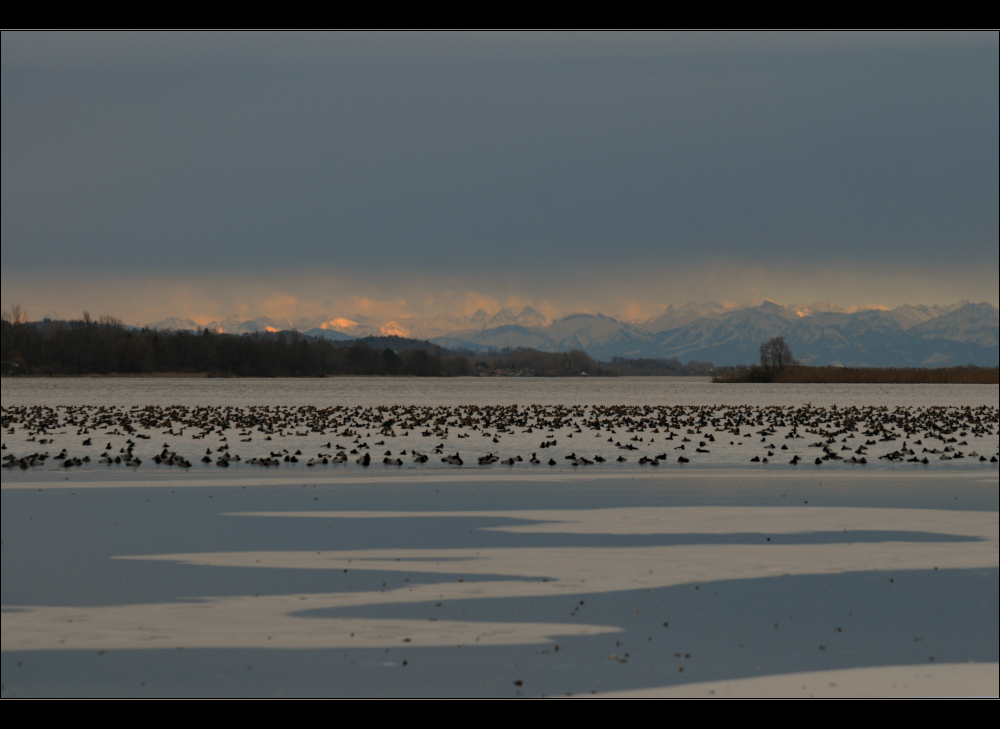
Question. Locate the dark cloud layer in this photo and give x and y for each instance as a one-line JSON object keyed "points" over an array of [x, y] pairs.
{"points": [[483, 155]]}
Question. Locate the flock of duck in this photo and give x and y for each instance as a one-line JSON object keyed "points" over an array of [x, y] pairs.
{"points": [[682, 433]]}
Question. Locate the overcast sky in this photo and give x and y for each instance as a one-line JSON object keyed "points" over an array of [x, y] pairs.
{"points": [[209, 174]]}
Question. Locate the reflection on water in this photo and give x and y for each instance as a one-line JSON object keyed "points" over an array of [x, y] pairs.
{"points": [[336, 604]]}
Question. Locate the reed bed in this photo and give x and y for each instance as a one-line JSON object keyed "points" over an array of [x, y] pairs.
{"points": [[863, 375]]}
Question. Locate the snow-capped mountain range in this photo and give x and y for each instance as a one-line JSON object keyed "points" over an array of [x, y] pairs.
{"points": [[822, 333]]}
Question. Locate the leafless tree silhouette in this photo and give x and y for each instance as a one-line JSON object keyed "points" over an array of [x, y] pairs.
{"points": [[775, 354]]}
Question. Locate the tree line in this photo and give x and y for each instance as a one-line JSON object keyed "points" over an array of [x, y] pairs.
{"points": [[104, 346]]}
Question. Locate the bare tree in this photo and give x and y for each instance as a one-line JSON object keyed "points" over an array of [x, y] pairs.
{"points": [[775, 354], [15, 315]]}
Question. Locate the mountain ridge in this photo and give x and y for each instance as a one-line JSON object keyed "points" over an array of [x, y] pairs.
{"points": [[822, 333]]}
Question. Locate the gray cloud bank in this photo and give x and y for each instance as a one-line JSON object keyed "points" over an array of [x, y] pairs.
{"points": [[541, 165]]}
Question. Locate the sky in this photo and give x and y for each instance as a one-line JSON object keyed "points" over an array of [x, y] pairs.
{"points": [[204, 175]]}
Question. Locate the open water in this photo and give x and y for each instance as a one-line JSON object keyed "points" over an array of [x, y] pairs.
{"points": [[481, 391]]}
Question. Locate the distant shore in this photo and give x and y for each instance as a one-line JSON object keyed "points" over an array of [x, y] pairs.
{"points": [[728, 375], [227, 375], [862, 375], [118, 375]]}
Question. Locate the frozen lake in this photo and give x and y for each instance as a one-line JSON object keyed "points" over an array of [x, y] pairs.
{"points": [[497, 581]]}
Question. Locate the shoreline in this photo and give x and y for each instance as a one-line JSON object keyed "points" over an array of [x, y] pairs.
{"points": [[919, 372], [714, 380]]}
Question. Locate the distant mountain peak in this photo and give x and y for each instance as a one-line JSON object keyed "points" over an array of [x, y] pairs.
{"points": [[821, 331], [173, 323]]}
